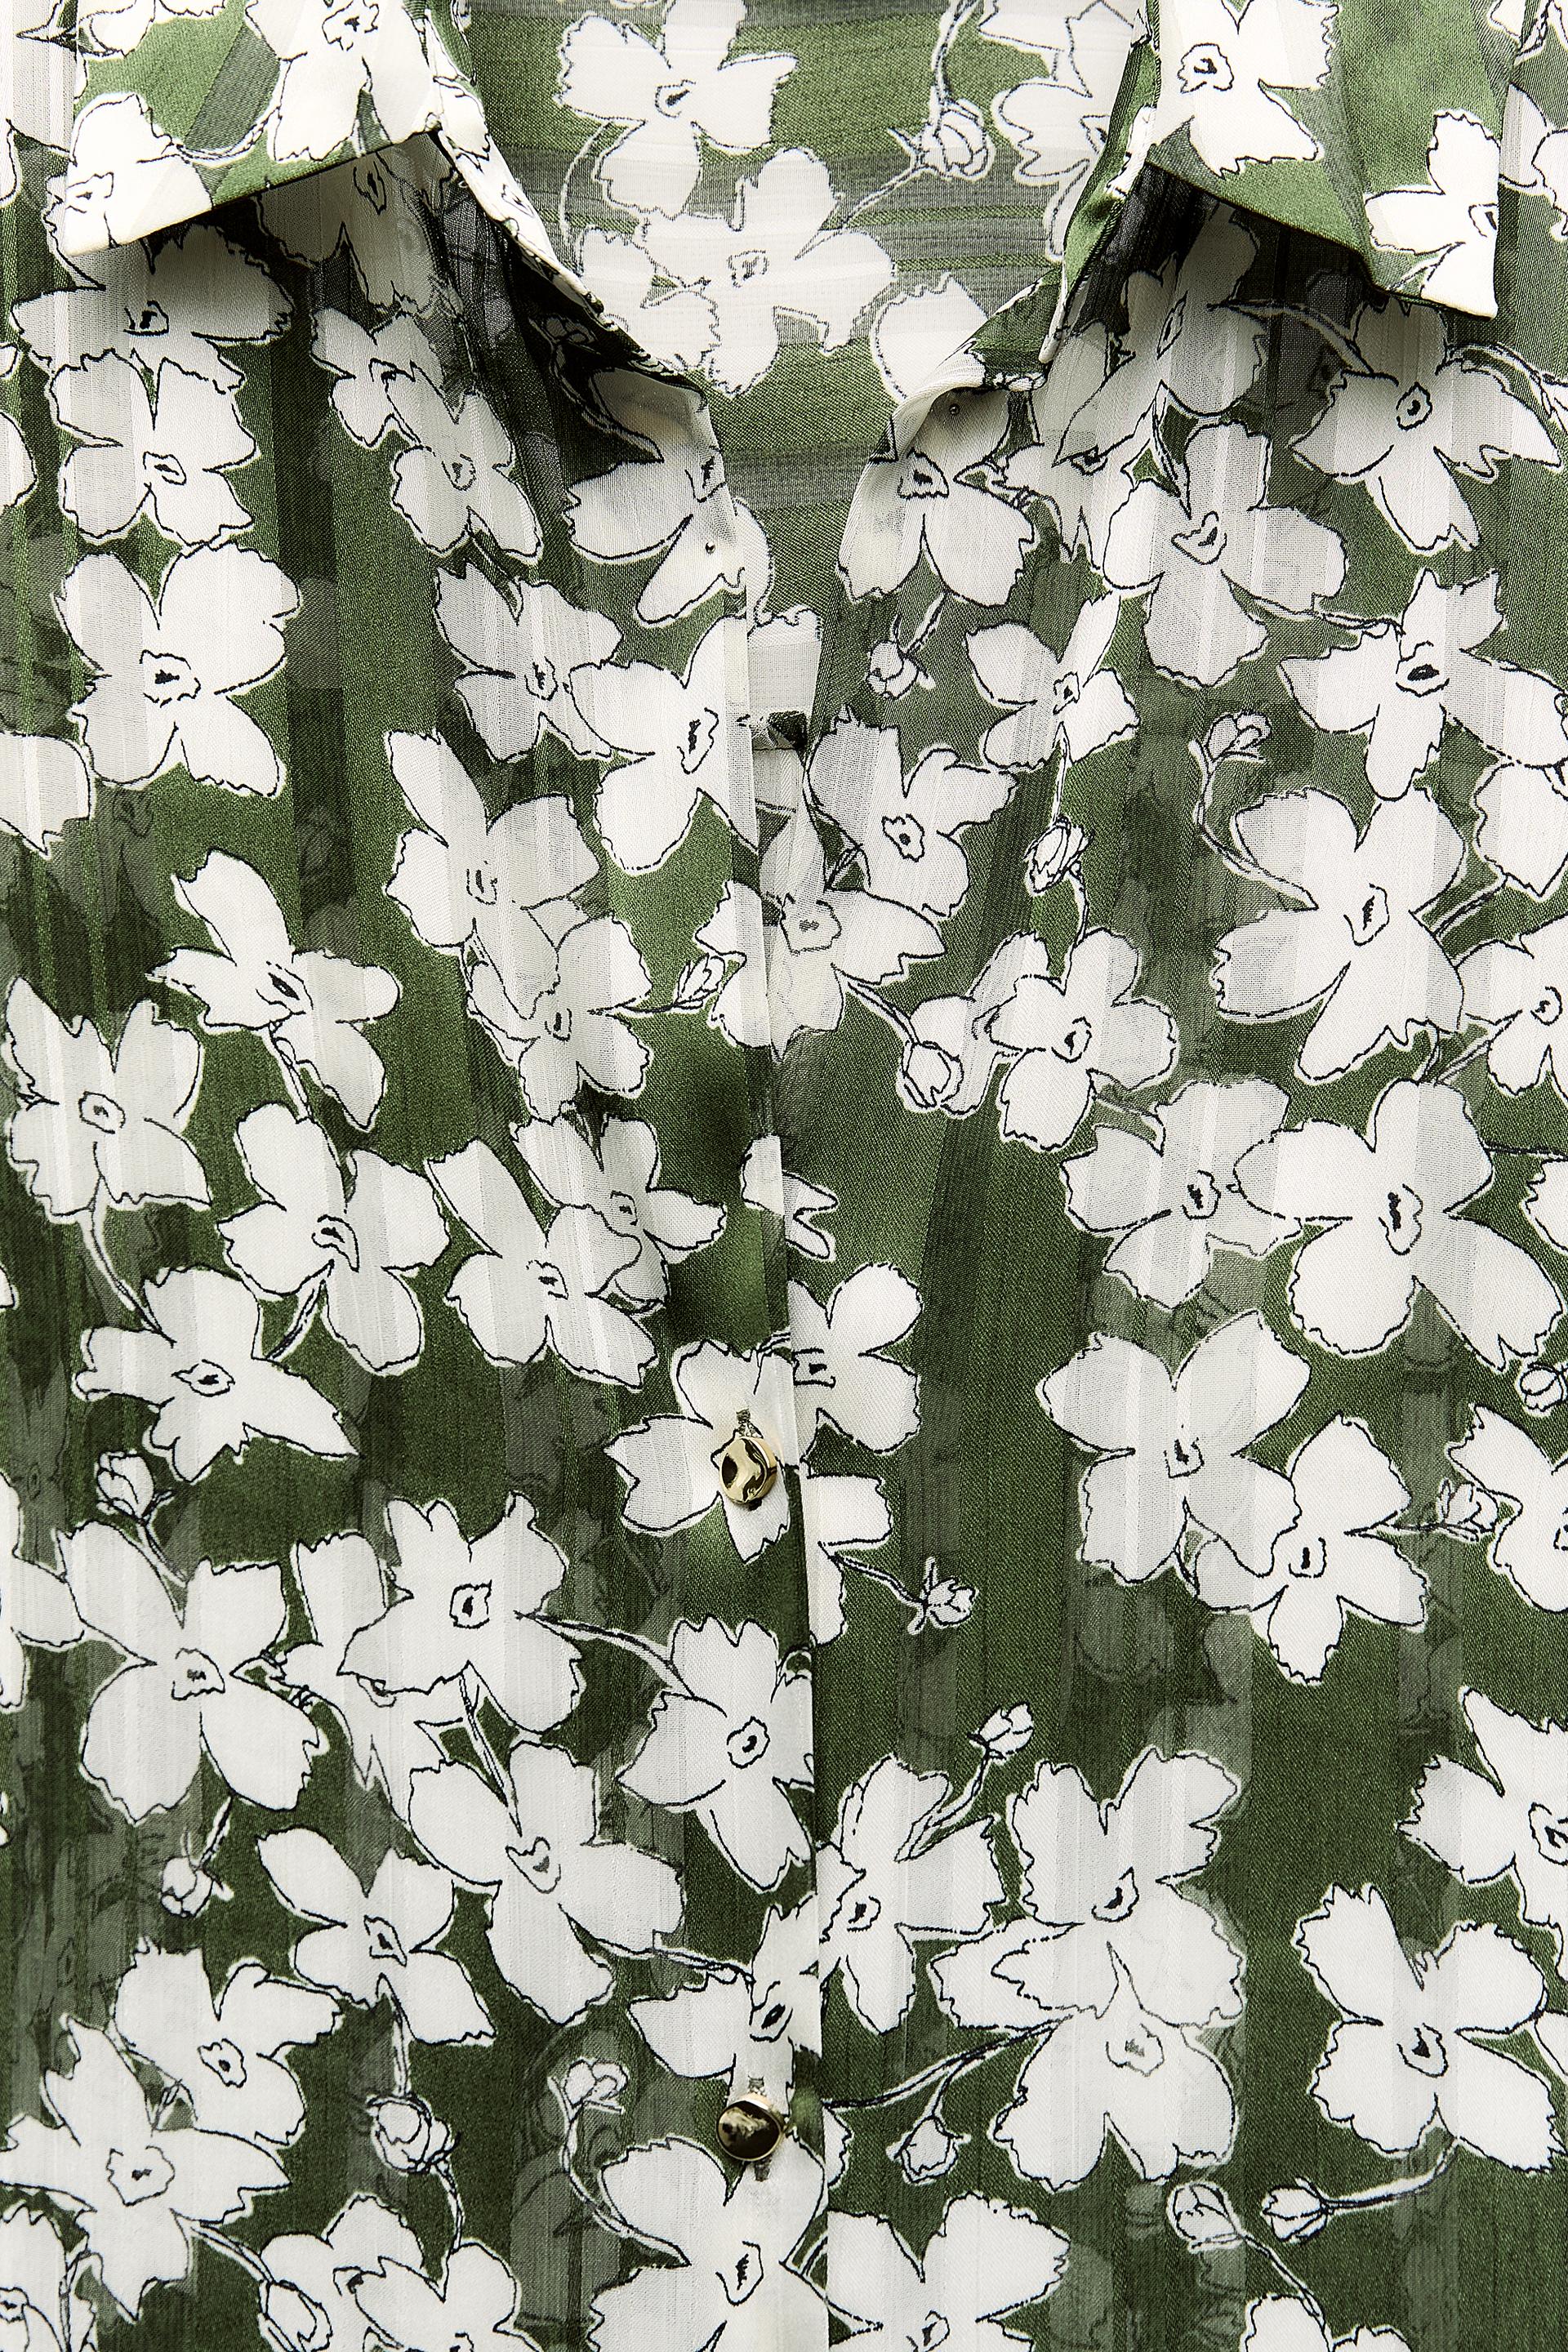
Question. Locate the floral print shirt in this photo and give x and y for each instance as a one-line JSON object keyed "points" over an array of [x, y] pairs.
{"points": [[783, 1341]]}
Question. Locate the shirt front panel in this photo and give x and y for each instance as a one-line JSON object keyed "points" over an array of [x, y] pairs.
{"points": [[1067, 898]]}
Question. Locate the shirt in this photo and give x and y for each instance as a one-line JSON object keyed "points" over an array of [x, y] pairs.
{"points": [[784, 833]]}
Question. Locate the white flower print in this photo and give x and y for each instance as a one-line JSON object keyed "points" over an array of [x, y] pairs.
{"points": [[1530, 1547], [1185, 340], [619, 1181], [1174, 1204], [1190, 550], [1513, 1822], [1223, 69], [176, 302], [525, 1290], [745, 2024], [1419, 413], [775, 253], [824, 937], [1404, 2055], [308, 2305], [1151, 2088], [916, 501], [165, 452], [843, 1378], [44, 782], [334, 53], [91, 1124], [311, 1006], [118, 27], [1074, 1033], [36, 1610], [677, 733], [952, 142], [456, 481], [139, 2190], [729, 1736], [465, 138], [169, 665], [673, 325], [672, 500], [199, 1363], [18, 475], [670, 1464], [463, 877], [472, 1612], [838, 1515], [928, 329], [1389, 1208], [1534, 153], [367, 210], [475, 2299], [734, 2235], [44, 2304], [1103, 1903], [1058, 126], [1355, 948], [1331, 1561], [767, 1184], [355, 1244], [1546, 1203], [366, 364], [1082, 490], [552, 1879], [1523, 828], [671, 94], [521, 649], [1172, 1447], [563, 1027], [897, 1873], [124, 178], [1452, 219], [953, 1058], [986, 2258], [906, 828], [36, 105], [1278, 2323], [181, 1691], [1401, 681], [1023, 24], [227, 2052], [390, 1735], [1066, 699], [378, 1942], [1519, 988]]}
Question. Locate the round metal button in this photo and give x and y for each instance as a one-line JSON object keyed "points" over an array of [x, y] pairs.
{"points": [[748, 1467], [751, 2129]]}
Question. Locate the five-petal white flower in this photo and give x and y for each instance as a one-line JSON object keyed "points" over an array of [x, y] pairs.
{"points": [[1173, 1445], [355, 1245], [1389, 1213], [671, 94], [168, 666], [1405, 2054], [182, 1691]]}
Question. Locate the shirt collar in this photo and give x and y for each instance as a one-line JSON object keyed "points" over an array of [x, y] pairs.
{"points": [[1379, 131], [183, 105], [1296, 111]]}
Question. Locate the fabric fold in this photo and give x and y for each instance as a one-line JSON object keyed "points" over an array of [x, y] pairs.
{"points": [[183, 105], [1367, 122]]}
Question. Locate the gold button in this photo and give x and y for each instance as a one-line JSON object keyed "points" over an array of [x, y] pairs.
{"points": [[748, 1468], [751, 2129]]}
